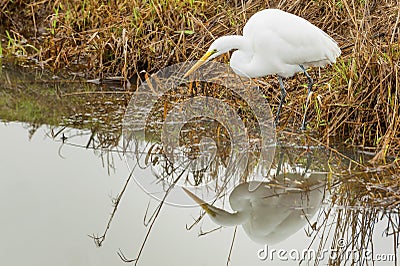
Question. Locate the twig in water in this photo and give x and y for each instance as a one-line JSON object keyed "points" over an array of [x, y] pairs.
{"points": [[99, 240], [231, 248], [153, 220], [196, 221], [201, 233]]}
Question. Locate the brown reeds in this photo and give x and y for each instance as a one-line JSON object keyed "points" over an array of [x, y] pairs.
{"points": [[356, 100]]}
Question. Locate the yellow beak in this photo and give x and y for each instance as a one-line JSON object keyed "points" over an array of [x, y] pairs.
{"points": [[203, 204], [199, 63]]}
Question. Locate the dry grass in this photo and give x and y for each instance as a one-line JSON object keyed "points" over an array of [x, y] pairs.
{"points": [[356, 100]]}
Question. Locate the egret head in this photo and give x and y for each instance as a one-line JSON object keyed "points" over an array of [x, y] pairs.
{"points": [[217, 48], [221, 46]]}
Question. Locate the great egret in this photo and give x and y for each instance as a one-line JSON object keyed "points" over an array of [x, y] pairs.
{"points": [[270, 213], [275, 42]]}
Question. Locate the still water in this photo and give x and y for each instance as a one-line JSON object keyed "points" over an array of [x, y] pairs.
{"points": [[62, 169], [54, 195]]}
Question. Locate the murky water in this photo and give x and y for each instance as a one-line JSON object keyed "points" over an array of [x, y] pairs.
{"points": [[58, 187]]}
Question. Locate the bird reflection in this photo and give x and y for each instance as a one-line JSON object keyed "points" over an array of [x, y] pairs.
{"points": [[271, 212]]}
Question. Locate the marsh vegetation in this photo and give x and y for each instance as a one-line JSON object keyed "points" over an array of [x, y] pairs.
{"points": [[52, 53]]}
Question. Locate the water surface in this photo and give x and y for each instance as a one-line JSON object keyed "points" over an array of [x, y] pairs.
{"points": [[60, 174]]}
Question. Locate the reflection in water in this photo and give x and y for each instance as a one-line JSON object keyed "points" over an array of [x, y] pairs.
{"points": [[202, 140], [291, 198], [271, 212], [70, 198], [372, 229]]}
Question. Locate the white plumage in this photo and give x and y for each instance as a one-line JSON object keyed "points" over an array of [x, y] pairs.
{"points": [[275, 42], [270, 214]]}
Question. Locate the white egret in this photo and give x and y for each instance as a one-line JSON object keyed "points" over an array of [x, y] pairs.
{"points": [[275, 42], [270, 213]]}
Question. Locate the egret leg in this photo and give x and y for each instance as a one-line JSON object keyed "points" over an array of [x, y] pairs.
{"points": [[283, 96], [310, 84]]}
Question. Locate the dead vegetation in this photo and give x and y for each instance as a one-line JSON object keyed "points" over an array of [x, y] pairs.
{"points": [[356, 100]]}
